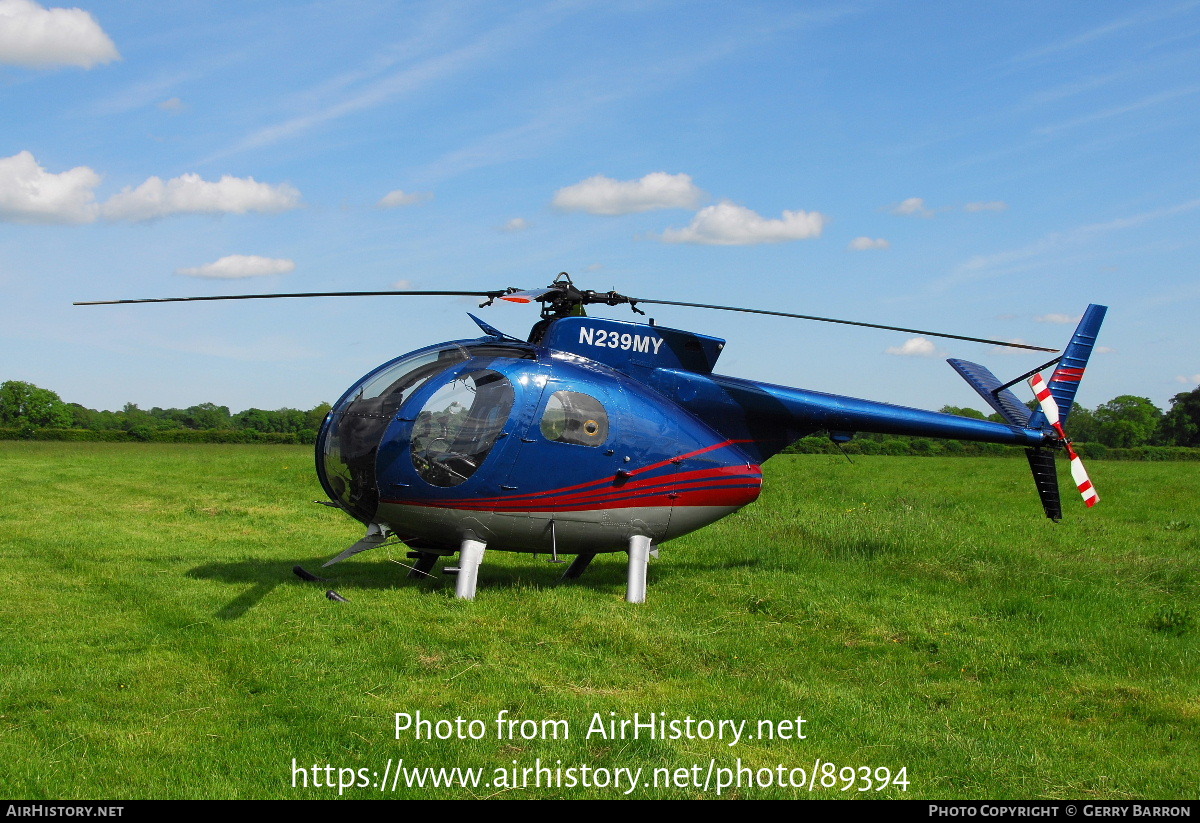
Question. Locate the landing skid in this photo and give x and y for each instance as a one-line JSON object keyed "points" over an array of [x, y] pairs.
{"points": [[639, 559], [640, 550], [470, 558], [471, 553]]}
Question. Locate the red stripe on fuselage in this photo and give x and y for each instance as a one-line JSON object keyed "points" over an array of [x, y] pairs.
{"points": [[743, 488], [716, 486], [735, 488], [607, 480], [720, 474], [730, 497]]}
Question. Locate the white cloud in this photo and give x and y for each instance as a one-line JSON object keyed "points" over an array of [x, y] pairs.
{"points": [[990, 205], [237, 266], [1188, 381], [33, 36], [174, 105], [728, 224], [912, 207], [603, 195], [914, 347], [30, 194], [516, 224], [1061, 319], [402, 285], [189, 194], [865, 243], [394, 199]]}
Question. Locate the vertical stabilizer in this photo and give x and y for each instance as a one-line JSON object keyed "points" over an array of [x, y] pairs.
{"points": [[1065, 381]]}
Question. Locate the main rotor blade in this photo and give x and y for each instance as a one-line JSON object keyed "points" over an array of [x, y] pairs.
{"points": [[541, 295], [845, 323], [299, 294], [529, 295]]}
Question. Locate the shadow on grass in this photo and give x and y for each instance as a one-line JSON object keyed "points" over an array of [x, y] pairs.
{"points": [[264, 576], [607, 574]]}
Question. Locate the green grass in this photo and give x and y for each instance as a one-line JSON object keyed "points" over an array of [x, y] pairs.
{"points": [[917, 612]]}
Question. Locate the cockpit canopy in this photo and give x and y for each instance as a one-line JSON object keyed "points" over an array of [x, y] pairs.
{"points": [[452, 430], [457, 427]]}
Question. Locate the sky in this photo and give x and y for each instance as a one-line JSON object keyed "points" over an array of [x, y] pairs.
{"points": [[985, 169]]}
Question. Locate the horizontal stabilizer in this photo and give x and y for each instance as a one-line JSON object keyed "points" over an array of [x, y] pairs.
{"points": [[1005, 403]]}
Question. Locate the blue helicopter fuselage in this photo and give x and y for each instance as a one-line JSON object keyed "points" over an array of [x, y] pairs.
{"points": [[599, 431]]}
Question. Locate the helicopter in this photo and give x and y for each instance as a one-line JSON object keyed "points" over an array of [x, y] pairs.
{"points": [[595, 436]]}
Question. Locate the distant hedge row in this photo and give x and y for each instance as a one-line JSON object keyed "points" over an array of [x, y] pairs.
{"points": [[922, 446], [896, 446], [1099, 451], [149, 435]]}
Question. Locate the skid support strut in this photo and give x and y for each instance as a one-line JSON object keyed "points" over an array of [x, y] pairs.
{"points": [[424, 565], [577, 566], [639, 558], [470, 556]]}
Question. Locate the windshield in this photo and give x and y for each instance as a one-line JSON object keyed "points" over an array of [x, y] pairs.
{"points": [[348, 445], [458, 426], [349, 441]]}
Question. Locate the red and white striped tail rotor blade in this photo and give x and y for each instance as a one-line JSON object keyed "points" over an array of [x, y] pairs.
{"points": [[1079, 475], [1050, 409], [1045, 399]]}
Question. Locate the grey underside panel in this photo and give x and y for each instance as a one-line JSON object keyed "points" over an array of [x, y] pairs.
{"points": [[576, 532]]}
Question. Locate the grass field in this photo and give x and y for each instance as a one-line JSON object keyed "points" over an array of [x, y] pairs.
{"points": [[917, 613]]}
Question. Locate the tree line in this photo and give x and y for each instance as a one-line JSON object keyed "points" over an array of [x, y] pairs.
{"points": [[29, 411], [1125, 422]]}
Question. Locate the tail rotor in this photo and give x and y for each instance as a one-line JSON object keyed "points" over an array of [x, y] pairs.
{"points": [[1049, 407], [1055, 398]]}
